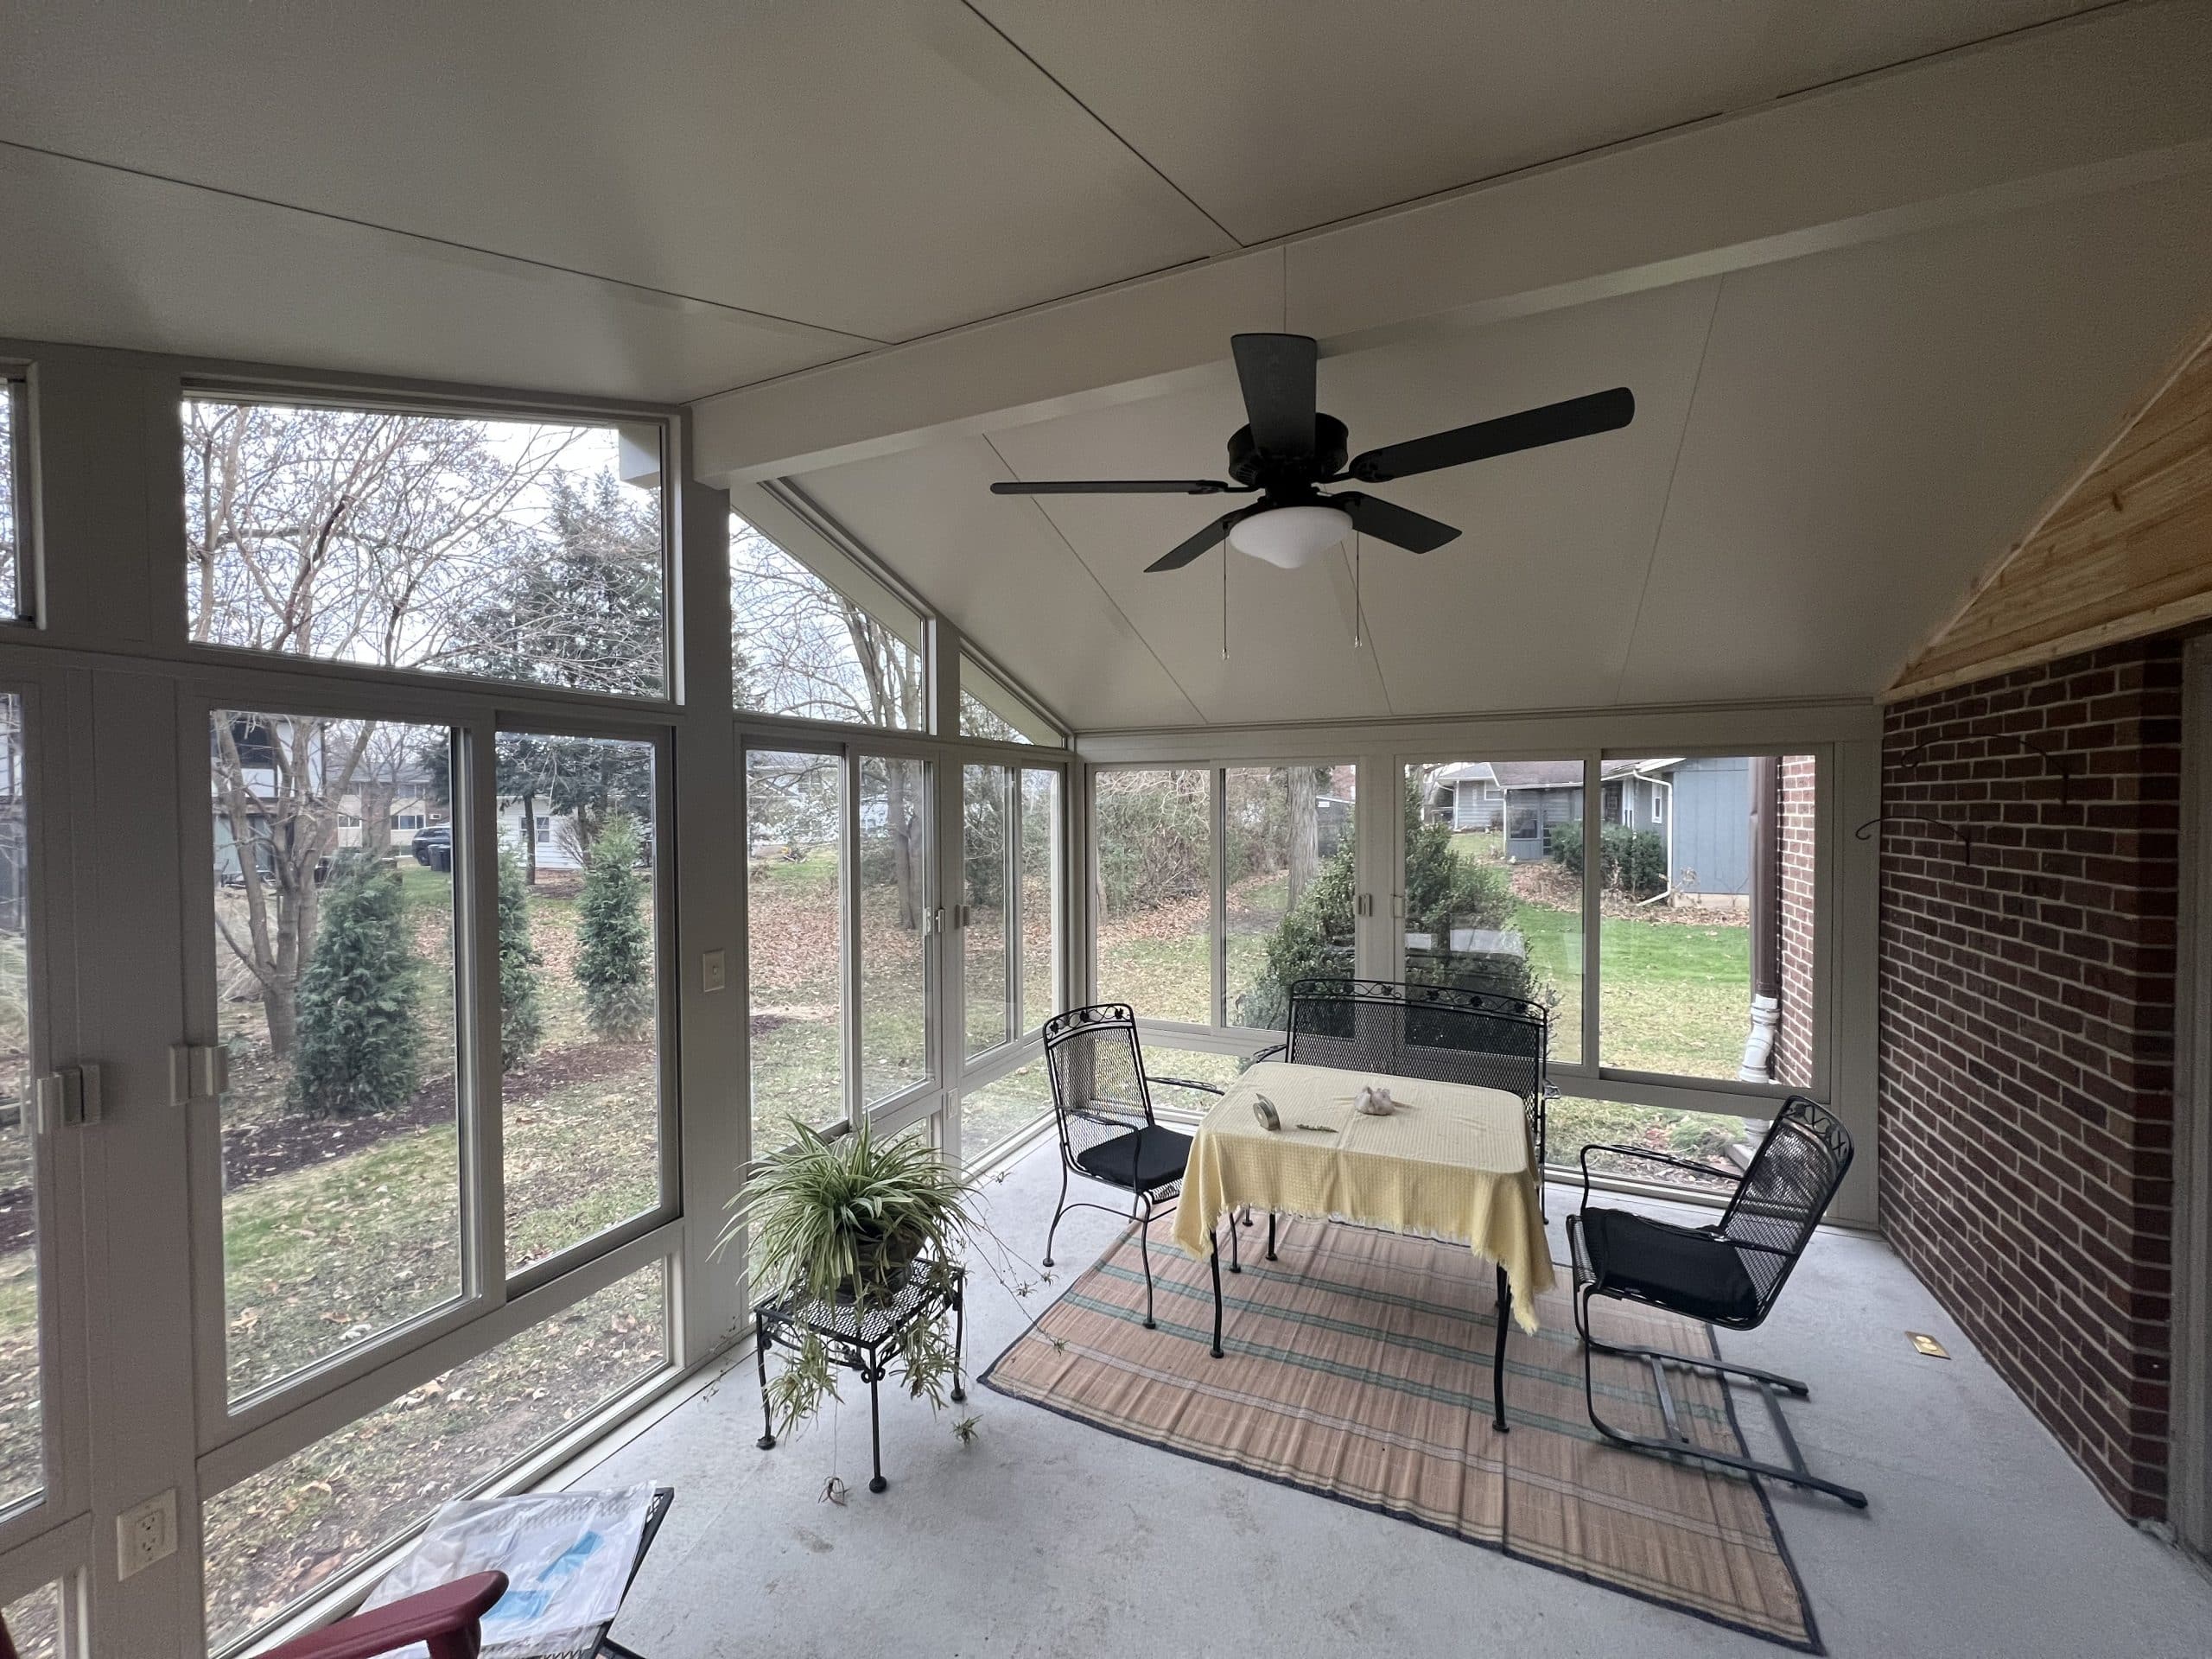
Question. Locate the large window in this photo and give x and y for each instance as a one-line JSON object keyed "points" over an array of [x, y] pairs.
{"points": [[893, 878], [1154, 835], [801, 647], [23, 1422], [334, 966], [278, 1536], [1037, 894], [512, 550], [14, 514], [795, 940], [1698, 872], [580, 992], [987, 811], [1492, 894], [1289, 854]]}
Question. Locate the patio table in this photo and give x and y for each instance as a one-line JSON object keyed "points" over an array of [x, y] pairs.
{"points": [[1452, 1161]]}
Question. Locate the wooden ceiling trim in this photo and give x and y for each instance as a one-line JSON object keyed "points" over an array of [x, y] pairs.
{"points": [[2125, 550]]}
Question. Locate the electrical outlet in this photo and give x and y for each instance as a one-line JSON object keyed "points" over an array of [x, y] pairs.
{"points": [[145, 1535], [714, 971]]}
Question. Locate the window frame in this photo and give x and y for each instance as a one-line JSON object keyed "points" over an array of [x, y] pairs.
{"points": [[20, 456], [1628, 1084], [369, 399]]}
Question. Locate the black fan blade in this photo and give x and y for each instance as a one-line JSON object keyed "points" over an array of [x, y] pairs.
{"points": [[1277, 373], [1113, 487], [1387, 521], [1211, 537], [1532, 429]]}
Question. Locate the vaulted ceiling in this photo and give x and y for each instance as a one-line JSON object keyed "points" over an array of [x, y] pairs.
{"points": [[666, 200], [1881, 277]]}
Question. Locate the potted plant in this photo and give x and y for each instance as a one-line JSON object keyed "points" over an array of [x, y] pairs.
{"points": [[846, 1220]]}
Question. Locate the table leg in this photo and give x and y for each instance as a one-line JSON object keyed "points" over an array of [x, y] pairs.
{"points": [[1497, 1360], [1216, 1259], [876, 1483], [959, 1336], [768, 1440], [1271, 1235]]}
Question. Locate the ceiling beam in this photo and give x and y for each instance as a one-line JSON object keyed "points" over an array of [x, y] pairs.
{"points": [[2112, 99]]}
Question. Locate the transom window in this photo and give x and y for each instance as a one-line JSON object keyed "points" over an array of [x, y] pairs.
{"points": [[801, 647], [505, 549]]}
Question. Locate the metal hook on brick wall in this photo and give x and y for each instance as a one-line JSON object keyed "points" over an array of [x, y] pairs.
{"points": [[1962, 833]]}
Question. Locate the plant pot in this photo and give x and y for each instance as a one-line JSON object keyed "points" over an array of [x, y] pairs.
{"points": [[890, 1267]]}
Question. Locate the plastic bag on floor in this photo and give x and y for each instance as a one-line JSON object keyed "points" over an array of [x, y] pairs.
{"points": [[567, 1555]]}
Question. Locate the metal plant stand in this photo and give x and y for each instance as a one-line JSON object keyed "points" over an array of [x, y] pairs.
{"points": [[864, 1337]]}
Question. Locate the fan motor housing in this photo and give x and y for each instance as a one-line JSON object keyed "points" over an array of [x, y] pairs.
{"points": [[1249, 465]]}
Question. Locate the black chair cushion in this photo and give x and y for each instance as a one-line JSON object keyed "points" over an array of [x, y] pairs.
{"points": [[1690, 1272], [1140, 1160]]}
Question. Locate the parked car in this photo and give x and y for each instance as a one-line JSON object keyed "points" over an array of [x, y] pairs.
{"points": [[433, 846]]}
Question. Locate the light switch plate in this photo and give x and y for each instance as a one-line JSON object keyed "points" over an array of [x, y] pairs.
{"points": [[145, 1535], [714, 971]]}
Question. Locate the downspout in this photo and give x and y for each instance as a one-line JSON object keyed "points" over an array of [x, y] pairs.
{"points": [[1765, 919]]}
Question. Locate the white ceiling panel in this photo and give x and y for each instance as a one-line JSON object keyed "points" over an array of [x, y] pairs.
{"points": [[1825, 450], [880, 170], [1280, 115], [997, 568], [93, 256], [1874, 426]]}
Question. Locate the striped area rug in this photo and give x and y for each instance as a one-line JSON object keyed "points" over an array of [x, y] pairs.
{"points": [[1359, 1366]]}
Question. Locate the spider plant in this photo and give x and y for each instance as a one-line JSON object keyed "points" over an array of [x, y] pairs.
{"points": [[844, 1218]]}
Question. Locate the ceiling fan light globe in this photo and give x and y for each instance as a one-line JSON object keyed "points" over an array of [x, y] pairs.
{"points": [[1290, 536]]}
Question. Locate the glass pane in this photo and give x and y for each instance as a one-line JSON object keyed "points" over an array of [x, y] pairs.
{"points": [[23, 1440], [800, 647], [34, 1622], [277, 1537], [507, 549], [1492, 884], [1724, 1143], [795, 955], [894, 860], [1707, 888], [1195, 1065], [995, 1114], [991, 709], [1154, 835], [1040, 858], [333, 957], [12, 516], [987, 969], [579, 989], [1290, 853]]}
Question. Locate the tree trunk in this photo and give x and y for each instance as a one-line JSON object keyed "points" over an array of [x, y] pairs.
{"points": [[1304, 831], [378, 797], [898, 821]]}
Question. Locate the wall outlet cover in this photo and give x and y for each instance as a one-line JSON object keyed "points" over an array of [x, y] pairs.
{"points": [[146, 1534]]}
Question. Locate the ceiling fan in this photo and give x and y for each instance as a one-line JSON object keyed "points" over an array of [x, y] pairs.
{"points": [[1289, 448]]}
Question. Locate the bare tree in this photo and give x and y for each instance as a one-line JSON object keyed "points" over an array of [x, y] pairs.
{"points": [[357, 536]]}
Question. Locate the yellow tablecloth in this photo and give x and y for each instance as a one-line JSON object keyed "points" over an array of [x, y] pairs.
{"points": [[1454, 1161]]}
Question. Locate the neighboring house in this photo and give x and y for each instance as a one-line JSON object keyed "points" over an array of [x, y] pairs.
{"points": [[1702, 806]]}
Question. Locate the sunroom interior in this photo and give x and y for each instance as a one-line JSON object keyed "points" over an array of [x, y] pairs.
{"points": [[541, 702]]}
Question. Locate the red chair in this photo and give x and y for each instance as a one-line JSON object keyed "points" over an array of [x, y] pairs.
{"points": [[443, 1619]]}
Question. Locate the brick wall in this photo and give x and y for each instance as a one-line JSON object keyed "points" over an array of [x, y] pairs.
{"points": [[2026, 1102], [1793, 1038]]}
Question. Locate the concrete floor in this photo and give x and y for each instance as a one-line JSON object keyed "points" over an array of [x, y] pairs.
{"points": [[1046, 1537]]}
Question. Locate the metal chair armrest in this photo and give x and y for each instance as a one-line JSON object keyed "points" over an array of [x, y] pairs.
{"points": [[1270, 1051], [1186, 1083], [1649, 1156]]}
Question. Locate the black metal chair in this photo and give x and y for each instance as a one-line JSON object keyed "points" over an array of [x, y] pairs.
{"points": [[1101, 1100], [1728, 1274], [1438, 1031]]}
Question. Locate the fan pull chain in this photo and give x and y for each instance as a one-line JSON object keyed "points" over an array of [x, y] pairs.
{"points": [[1358, 614]]}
